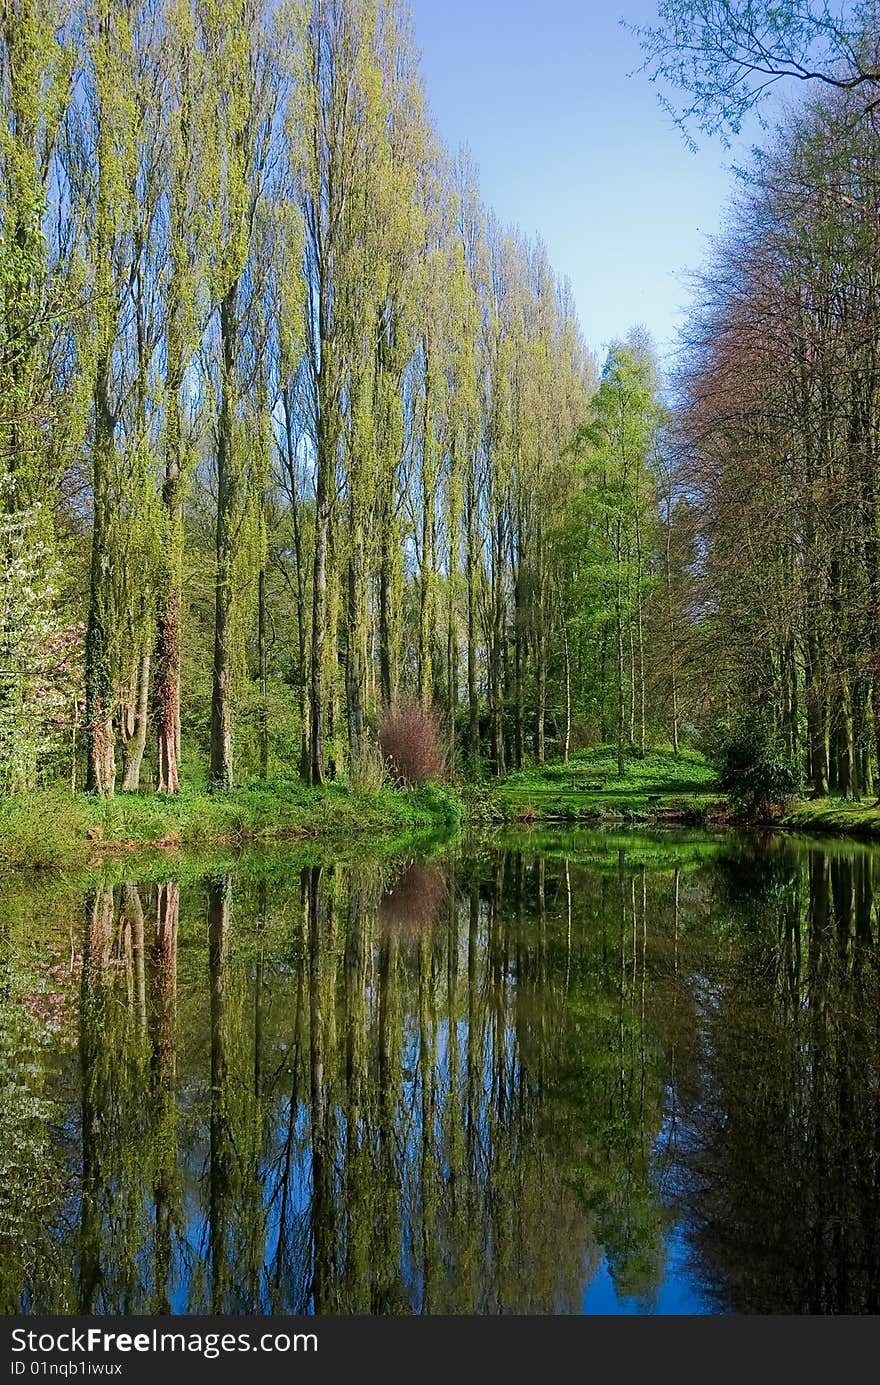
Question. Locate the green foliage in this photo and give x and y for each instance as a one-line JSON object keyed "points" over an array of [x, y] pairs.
{"points": [[52, 831], [606, 540], [437, 801], [833, 815], [368, 773], [39, 660], [726, 57], [753, 766], [659, 785]]}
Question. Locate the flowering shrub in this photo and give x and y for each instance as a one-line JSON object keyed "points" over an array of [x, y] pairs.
{"points": [[410, 741], [40, 661]]}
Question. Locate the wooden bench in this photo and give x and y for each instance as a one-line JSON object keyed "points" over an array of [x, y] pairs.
{"points": [[591, 785]]}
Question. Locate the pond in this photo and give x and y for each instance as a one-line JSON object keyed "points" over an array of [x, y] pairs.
{"points": [[569, 1073]]}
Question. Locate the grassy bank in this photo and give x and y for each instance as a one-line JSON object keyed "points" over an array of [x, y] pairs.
{"points": [[53, 831], [833, 815], [660, 787]]}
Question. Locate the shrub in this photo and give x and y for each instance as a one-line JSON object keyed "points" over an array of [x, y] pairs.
{"points": [[411, 744], [438, 801], [368, 774], [753, 767]]}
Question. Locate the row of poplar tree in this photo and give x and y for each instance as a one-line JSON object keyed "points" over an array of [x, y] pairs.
{"points": [[780, 435], [282, 400]]}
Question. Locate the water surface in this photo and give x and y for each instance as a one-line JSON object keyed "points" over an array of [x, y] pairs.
{"points": [[590, 1072]]}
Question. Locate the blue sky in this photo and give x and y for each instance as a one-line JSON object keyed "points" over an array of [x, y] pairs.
{"points": [[571, 147]]}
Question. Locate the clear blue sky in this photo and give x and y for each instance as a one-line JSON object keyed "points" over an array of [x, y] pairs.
{"points": [[572, 148]]}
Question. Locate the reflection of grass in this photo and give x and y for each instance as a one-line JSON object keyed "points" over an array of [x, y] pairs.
{"points": [[55, 831], [605, 850], [835, 815], [662, 785]]}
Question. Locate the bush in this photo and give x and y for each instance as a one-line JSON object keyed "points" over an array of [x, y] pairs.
{"points": [[753, 767], [438, 801], [411, 744], [368, 774]]}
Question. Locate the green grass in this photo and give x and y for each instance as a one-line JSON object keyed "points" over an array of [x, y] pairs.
{"points": [[834, 815], [54, 831], [661, 786]]}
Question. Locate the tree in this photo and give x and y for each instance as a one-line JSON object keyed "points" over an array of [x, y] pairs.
{"points": [[245, 65], [289, 388], [617, 448], [108, 155], [728, 55], [183, 287], [780, 394]]}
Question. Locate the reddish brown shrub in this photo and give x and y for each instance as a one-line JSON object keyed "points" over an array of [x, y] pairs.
{"points": [[411, 743]]}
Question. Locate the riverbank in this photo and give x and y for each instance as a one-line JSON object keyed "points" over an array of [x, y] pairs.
{"points": [[833, 815], [54, 831], [660, 787]]}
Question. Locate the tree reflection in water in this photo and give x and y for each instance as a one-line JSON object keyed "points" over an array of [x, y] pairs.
{"points": [[461, 1086], [781, 1175]]}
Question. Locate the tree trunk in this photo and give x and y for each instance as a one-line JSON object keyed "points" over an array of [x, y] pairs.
{"points": [[319, 608], [621, 693], [846, 771], [632, 682], [673, 669], [135, 744], [541, 692], [100, 742], [640, 623], [332, 681], [519, 624], [452, 652], [473, 699], [166, 681], [816, 717], [302, 619], [263, 671], [356, 621], [567, 656], [387, 660], [227, 520]]}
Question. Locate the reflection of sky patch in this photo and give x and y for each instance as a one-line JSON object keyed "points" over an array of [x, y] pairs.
{"points": [[678, 1292]]}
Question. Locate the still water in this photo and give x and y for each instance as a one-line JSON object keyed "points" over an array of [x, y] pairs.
{"points": [[583, 1073]]}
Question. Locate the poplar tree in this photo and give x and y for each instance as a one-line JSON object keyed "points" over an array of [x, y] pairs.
{"points": [[183, 283], [617, 445], [340, 116], [241, 40], [36, 63], [109, 158]]}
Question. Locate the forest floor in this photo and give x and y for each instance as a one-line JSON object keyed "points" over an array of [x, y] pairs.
{"points": [[660, 787], [55, 831]]}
